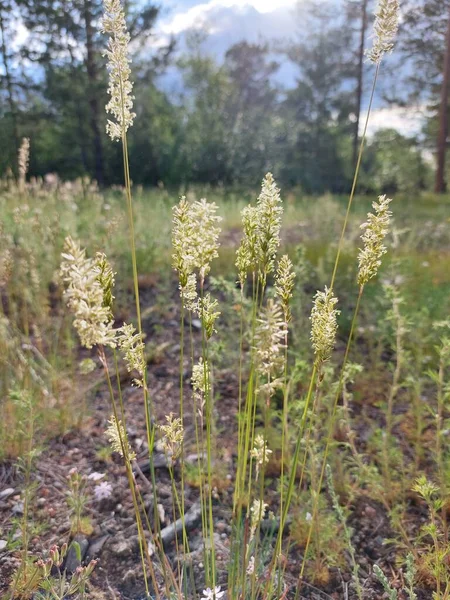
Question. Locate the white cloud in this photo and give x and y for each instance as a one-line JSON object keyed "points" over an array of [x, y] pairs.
{"points": [[407, 121], [199, 14]]}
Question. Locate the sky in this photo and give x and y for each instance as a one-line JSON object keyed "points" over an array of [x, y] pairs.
{"points": [[185, 14], [230, 21]]}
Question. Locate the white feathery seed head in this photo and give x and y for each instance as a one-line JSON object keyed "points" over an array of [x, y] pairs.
{"points": [[257, 512], [188, 293], [120, 87], [247, 253], [200, 383], [183, 228], [195, 238], [86, 297], [260, 452], [117, 437], [284, 284], [323, 325], [133, 348], [205, 238], [206, 310], [270, 211], [23, 160], [375, 230], [269, 343], [384, 30], [172, 436]]}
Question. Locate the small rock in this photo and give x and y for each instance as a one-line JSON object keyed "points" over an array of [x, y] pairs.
{"points": [[95, 547], [72, 561], [370, 511], [3, 544], [196, 324], [221, 527], [125, 547], [17, 509], [129, 578], [6, 493]]}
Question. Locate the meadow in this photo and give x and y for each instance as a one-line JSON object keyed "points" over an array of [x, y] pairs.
{"points": [[56, 403], [222, 393]]}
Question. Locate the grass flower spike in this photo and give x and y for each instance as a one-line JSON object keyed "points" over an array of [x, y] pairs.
{"points": [[269, 346], [257, 512], [105, 276], [120, 87], [205, 235], [385, 29], [116, 435], [268, 225], [172, 436], [200, 383], [133, 347], [247, 253], [375, 230], [189, 293], [23, 160], [284, 285], [182, 233], [323, 325], [260, 452], [207, 313], [85, 296]]}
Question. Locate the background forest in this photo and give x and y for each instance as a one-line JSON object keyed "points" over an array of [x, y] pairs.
{"points": [[226, 117]]}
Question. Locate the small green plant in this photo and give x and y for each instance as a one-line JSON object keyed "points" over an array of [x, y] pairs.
{"points": [[391, 592], [55, 582], [434, 556]]}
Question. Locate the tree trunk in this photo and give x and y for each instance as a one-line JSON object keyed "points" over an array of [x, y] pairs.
{"points": [[9, 85], [360, 72], [440, 183], [91, 67], [81, 125]]}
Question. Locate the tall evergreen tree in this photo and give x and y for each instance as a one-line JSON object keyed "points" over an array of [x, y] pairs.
{"points": [[426, 41]]}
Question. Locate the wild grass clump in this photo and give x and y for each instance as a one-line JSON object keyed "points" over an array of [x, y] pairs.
{"points": [[296, 400]]}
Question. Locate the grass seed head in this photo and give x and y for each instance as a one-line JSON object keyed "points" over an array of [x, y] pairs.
{"points": [[85, 296], [323, 325], [172, 436], [270, 211], [247, 253], [23, 160], [120, 87], [269, 346], [284, 285], [205, 238], [133, 348], [375, 230], [384, 30], [116, 434], [260, 452]]}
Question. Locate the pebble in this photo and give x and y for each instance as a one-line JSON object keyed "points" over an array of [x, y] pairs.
{"points": [[17, 509], [124, 547], [129, 577], [221, 527], [3, 544], [6, 493], [370, 511], [196, 324]]}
